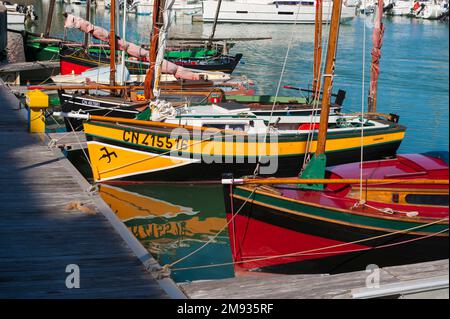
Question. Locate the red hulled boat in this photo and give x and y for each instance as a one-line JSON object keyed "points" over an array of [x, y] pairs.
{"points": [[332, 231], [385, 212]]}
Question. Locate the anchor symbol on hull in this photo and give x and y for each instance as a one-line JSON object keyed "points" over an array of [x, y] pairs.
{"points": [[107, 154]]}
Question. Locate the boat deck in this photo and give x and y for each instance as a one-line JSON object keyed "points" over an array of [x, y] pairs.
{"points": [[50, 221]]}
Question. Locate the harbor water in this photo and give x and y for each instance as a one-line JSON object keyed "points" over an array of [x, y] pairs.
{"points": [[174, 220]]}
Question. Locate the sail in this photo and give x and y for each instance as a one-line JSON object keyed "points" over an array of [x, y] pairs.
{"points": [[377, 39], [74, 22]]}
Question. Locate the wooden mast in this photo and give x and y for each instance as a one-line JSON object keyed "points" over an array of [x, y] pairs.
{"points": [[112, 44], [48, 26], [213, 32], [88, 18], [317, 50], [154, 43], [315, 169], [328, 76]]}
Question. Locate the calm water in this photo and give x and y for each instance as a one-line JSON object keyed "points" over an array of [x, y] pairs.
{"points": [[413, 83]]}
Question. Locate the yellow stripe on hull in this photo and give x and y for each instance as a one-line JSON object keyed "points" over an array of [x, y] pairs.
{"points": [[235, 148], [111, 162]]}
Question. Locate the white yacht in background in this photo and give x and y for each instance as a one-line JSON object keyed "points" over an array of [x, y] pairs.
{"points": [[79, 2], [267, 11], [18, 14], [145, 7], [188, 6], [431, 9], [399, 7]]}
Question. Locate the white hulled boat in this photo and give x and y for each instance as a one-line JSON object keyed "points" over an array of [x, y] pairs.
{"points": [[18, 14], [266, 11]]}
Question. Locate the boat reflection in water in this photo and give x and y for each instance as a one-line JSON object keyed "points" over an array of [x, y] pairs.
{"points": [[171, 231]]}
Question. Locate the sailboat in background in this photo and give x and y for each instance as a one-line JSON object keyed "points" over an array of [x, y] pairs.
{"points": [[344, 218]]}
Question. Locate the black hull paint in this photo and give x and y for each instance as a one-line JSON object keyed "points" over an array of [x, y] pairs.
{"points": [[287, 166], [105, 108], [225, 64]]}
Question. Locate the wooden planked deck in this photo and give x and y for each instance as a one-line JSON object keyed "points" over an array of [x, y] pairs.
{"points": [[43, 229], [341, 286]]}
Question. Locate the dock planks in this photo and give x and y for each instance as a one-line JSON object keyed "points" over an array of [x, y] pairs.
{"points": [[40, 234], [341, 286]]}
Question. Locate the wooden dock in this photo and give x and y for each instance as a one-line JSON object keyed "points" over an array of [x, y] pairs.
{"points": [[49, 220], [425, 280]]}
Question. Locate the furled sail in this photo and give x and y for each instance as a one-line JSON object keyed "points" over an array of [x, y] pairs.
{"points": [[377, 39], [74, 22]]}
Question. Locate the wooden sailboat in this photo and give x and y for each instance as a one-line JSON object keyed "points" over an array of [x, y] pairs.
{"points": [[235, 95], [384, 212], [201, 142]]}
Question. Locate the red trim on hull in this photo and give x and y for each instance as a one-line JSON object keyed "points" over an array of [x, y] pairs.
{"points": [[252, 239], [69, 68]]}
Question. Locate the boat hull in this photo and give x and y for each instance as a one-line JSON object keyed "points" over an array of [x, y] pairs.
{"points": [[76, 61], [154, 154], [269, 226]]}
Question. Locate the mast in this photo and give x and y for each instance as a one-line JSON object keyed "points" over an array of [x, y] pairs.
{"points": [[213, 32], [328, 76], [154, 43], [124, 31], [162, 43], [88, 18], [316, 166], [48, 26], [112, 44], [317, 50], [377, 39]]}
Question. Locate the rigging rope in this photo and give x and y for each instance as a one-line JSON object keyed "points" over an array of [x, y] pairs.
{"points": [[316, 101], [283, 69]]}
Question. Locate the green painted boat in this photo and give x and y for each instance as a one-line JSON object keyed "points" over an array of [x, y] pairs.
{"points": [[40, 51]]}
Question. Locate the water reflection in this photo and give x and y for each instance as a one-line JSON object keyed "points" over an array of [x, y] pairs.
{"points": [[172, 221]]}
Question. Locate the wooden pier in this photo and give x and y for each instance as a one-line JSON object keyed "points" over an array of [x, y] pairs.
{"points": [[50, 220], [425, 280]]}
